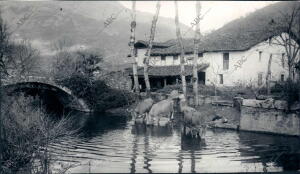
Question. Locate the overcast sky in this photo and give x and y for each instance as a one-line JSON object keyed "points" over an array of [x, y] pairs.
{"points": [[220, 12]]}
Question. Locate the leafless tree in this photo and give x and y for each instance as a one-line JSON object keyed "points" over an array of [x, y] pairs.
{"points": [[148, 52], [4, 51], [179, 39], [289, 23], [196, 47], [23, 60], [132, 51]]}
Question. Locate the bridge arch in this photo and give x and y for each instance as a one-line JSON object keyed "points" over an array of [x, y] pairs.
{"points": [[49, 91]]}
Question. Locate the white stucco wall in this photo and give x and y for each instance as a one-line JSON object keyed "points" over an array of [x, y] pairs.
{"points": [[244, 66]]}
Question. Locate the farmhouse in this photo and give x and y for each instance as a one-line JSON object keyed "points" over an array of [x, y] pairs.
{"points": [[236, 54], [223, 60]]}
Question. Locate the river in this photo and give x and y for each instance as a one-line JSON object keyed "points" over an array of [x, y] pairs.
{"points": [[112, 144]]}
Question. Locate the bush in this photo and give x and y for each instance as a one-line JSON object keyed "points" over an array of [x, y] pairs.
{"points": [[291, 92], [96, 93], [28, 132]]}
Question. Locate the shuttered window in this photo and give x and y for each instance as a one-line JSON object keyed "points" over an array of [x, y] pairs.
{"points": [[163, 60], [221, 80], [175, 58], [225, 61], [260, 54], [259, 80]]}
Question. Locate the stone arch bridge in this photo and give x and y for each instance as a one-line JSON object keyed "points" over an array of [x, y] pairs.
{"points": [[58, 96]]}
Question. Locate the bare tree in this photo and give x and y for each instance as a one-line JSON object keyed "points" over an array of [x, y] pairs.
{"points": [[4, 51], [289, 23], [148, 52], [23, 60], [179, 39], [268, 76], [196, 47], [132, 51]]}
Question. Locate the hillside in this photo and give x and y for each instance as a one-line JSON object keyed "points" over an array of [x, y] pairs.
{"points": [[242, 33], [81, 25]]}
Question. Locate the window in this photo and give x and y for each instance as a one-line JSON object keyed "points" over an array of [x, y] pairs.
{"points": [[175, 58], [200, 55], [163, 60], [282, 77], [259, 81], [221, 79], [260, 54], [225, 61], [282, 60]]}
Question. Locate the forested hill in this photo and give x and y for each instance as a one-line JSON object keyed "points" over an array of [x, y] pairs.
{"points": [[245, 32], [255, 24], [82, 25]]}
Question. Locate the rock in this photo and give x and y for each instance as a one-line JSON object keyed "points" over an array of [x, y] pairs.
{"points": [[268, 103], [280, 104], [251, 102], [263, 97]]}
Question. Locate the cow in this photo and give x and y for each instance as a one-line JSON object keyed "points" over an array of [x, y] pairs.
{"points": [[194, 121], [163, 110], [191, 116], [142, 109]]}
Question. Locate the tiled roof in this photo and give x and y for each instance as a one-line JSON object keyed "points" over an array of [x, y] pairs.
{"points": [[168, 70], [220, 42]]}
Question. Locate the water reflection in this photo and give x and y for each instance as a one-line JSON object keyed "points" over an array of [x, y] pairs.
{"points": [[113, 144], [271, 149]]}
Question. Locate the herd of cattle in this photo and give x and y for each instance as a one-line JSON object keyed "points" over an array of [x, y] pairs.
{"points": [[162, 113]]}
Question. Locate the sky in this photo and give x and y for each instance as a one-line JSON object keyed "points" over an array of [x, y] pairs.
{"points": [[217, 13]]}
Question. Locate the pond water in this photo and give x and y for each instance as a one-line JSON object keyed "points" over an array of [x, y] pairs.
{"points": [[112, 144]]}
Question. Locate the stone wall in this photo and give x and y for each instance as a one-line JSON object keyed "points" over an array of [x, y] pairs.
{"points": [[269, 116]]}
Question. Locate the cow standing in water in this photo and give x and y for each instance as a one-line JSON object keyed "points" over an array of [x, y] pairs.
{"points": [[162, 112], [142, 109], [194, 122]]}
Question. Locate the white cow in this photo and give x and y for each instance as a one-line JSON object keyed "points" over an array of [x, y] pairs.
{"points": [[163, 111]]}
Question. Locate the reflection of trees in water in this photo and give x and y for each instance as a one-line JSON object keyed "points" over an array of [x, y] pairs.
{"points": [[283, 151], [180, 161], [144, 131], [146, 154], [134, 155]]}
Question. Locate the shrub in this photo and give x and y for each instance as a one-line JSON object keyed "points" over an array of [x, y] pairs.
{"points": [[28, 132], [96, 93], [291, 92]]}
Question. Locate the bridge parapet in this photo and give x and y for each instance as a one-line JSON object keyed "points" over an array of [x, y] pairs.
{"points": [[40, 79], [71, 100]]}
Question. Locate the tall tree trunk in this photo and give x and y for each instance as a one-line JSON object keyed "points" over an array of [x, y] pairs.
{"points": [[269, 75], [1, 124], [132, 51], [179, 39], [148, 53], [196, 47]]}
